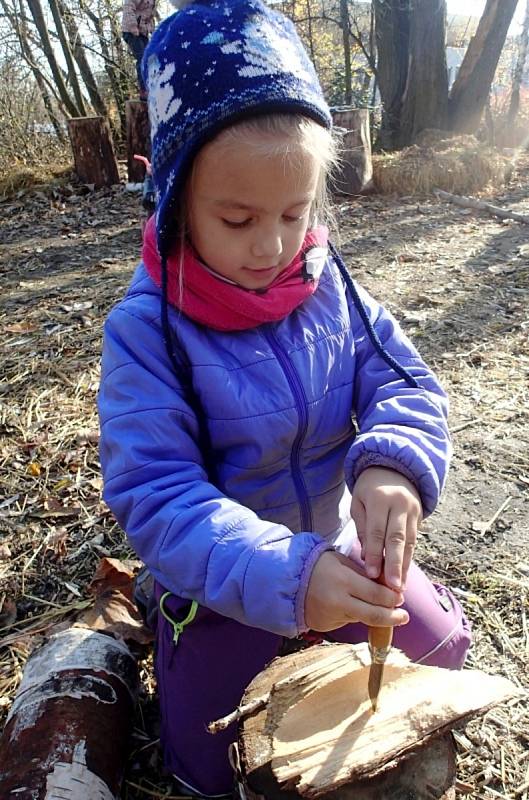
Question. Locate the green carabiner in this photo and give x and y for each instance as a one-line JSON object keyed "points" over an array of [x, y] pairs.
{"points": [[178, 627]]}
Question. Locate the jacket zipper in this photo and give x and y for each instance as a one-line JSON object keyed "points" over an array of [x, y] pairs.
{"points": [[298, 393]]}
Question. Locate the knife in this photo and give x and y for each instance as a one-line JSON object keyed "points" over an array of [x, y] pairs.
{"points": [[379, 646]]}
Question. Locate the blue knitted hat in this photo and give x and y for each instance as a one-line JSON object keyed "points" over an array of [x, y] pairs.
{"points": [[210, 65]]}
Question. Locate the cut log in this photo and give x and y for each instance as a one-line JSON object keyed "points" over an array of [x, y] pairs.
{"points": [[93, 151], [355, 172], [138, 138], [314, 734], [67, 731]]}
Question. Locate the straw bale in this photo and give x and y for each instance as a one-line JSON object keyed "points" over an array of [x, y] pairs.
{"points": [[457, 164]]}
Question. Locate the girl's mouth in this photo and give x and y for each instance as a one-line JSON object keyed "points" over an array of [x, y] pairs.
{"points": [[261, 271]]}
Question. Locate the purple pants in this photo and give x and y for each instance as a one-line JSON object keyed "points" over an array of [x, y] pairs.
{"points": [[203, 676]]}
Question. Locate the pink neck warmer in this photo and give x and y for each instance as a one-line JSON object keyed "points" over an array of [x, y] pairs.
{"points": [[213, 302]]}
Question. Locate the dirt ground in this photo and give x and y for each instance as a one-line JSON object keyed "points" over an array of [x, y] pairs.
{"points": [[458, 280]]}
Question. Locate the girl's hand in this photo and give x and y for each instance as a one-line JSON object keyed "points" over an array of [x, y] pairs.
{"points": [[387, 510], [337, 595]]}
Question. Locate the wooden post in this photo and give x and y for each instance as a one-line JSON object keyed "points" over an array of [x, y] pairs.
{"points": [[67, 732], [138, 138], [355, 173], [93, 151]]}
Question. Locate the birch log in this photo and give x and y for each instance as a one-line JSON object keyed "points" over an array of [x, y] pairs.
{"points": [[67, 733]]}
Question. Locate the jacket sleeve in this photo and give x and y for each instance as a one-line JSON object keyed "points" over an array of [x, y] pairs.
{"points": [[399, 426], [198, 543], [129, 18]]}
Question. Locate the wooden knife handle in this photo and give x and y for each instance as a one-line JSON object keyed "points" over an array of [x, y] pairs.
{"points": [[380, 637]]}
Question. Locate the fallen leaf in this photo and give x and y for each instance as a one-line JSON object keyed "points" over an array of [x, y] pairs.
{"points": [[56, 542], [5, 552], [114, 610], [114, 613], [21, 327], [53, 508], [8, 613], [111, 573]]}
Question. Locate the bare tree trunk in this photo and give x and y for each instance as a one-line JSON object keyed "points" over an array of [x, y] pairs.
{"points": [[392, 33], [18, 23], [68, 57], [425, 100], [82, 62], [472, 86], [309, 30], [42, 28], [113, 72], [411, 70], [121, 91], [519, 70], [344, 17]]}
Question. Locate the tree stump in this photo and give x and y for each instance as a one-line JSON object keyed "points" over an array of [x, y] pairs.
{"points": [[67, 732], [306, 727], [93, 151], [138, 138], [355, 172]]}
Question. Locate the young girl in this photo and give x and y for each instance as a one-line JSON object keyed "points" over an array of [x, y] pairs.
{"points": [[236, 372]]}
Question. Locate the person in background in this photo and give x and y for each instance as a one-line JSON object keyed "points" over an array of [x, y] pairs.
{"points": [[270, 438], [137, 24]]}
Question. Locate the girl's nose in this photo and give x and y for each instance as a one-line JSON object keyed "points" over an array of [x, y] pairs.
{"points": [[267, 244]]}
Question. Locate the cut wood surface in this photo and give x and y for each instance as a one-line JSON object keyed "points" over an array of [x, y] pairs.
{"points": [[67, 732], [317, 731]]}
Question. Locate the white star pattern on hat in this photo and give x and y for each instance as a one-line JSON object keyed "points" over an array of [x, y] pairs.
{"points": [[268, 53], [163, 104]]}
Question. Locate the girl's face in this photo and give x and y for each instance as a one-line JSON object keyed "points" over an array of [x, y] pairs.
{"points": [[248, 212]]}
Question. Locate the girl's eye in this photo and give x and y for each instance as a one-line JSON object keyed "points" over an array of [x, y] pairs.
{"points": [[231, 224], [288, 218]]}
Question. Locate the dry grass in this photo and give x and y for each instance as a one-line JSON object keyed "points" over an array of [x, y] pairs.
{"points": [[22, 177], [460, 165]]}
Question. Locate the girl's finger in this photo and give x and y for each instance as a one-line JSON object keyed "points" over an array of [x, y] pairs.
{"points": [[374, 616], [409, 548], [375, 594], [358, 515], [395, 547], [376, 525]]}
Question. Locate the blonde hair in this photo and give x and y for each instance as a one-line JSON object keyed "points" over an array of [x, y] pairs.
{"points": [[287, 135]]}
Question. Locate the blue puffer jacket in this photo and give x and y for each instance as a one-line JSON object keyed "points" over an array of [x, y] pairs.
{"points": [[278, 402]]}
